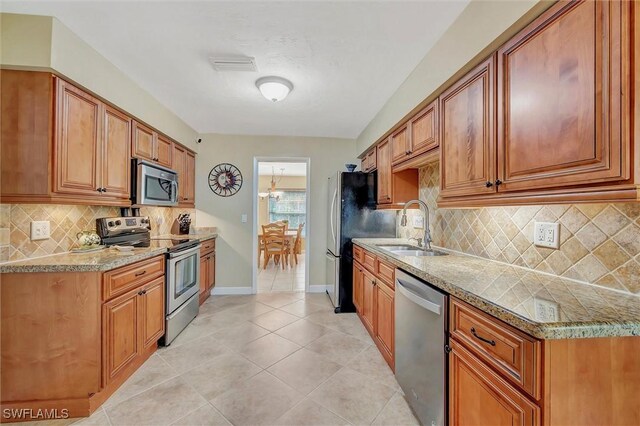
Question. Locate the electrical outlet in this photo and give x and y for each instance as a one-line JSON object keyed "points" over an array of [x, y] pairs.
{"points": [[159, 220], [418, 221], [40, 230], [546, 310], [546, 234]]}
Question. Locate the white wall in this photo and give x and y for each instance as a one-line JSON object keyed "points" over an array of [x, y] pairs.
{"points": [[234, 247], [44, 43], [482, 26]]}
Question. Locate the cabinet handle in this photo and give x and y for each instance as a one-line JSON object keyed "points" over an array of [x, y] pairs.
{"points": [[104, 189], [488, 184], [491, 342], [141, 273], [144, 291], [498, 182], [447, 349], [140, 293], [99, 189]]}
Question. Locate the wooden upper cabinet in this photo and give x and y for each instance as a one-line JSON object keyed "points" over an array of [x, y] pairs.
{"points": [[562, 86], [116, 153], [77, 141], [144, 142], [164, 151], [190, 178], [400, 145], [385, 185], [423, 135], [467, 142], [478, 396], [370, 160]]}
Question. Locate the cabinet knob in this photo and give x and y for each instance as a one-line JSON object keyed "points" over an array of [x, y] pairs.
{"points": [[489, 184], [104, 189], [498, 182], [140, 293]]}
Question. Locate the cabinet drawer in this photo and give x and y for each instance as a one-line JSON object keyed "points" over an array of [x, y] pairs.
{"points": [[358, 254], [121, 280], [510, 352], [207, 246], [369, 262], [386, 272]]}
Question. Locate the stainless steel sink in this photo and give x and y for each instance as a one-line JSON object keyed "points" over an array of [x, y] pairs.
{"points": [[418, 252], [394, 247]]}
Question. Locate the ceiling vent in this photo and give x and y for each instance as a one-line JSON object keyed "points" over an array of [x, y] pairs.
{"points": [[234, 63]]}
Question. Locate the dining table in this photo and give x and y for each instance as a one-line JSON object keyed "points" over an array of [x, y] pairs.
{"points": [[289, 236]]}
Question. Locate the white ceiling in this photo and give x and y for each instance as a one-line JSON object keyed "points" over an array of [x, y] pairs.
{"points": [[345, 59], [290, 169]]}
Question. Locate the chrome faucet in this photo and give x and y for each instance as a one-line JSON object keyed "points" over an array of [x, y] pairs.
{"points": [[427, 232]]}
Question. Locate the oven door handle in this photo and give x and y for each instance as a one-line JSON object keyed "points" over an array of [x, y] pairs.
{"points": [[184, 254]]}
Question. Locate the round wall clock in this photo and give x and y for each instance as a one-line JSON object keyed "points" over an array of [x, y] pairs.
{"points": [[225, 180]]}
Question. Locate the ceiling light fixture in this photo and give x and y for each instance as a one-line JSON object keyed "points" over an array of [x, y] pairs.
{"points": [[274, 88]]}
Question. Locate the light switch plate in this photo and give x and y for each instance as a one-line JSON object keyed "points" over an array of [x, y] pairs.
{"points": [[546, 310], [243, 218], [40, 230], [418, 221], [546, 234]]}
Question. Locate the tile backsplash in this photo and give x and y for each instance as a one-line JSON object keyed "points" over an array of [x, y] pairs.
{"points": [[66, 221], [599, 243]]}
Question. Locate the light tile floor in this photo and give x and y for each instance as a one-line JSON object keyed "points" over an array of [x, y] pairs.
{"points": [[275, 279], [265, 359]]}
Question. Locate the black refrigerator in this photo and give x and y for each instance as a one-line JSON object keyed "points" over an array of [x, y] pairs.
{"points": [[352, 214]]}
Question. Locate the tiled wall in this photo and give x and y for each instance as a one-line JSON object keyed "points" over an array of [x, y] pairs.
{"points": [[66, 221], [600, 243]]}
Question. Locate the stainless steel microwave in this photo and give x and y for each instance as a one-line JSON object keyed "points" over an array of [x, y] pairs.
{"points": [[153, 185]]}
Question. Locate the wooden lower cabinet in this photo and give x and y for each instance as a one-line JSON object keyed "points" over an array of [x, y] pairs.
{"points": [[121, 333], [478, 396], [68, 344], [207, 271], [385, 323], [374, 299], [358, 277]]}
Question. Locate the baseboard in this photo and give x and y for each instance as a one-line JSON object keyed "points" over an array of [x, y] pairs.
{"points": [[219, 291], [318, 288]]}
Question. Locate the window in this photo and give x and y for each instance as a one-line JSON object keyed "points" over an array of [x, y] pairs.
{"points": [[292, 206]]}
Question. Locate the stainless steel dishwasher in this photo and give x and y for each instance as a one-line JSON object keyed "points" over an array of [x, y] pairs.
{"points": [[420, 339]]}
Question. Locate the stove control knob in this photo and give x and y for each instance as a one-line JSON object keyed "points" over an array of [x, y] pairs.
{"points": [[110, 224], [118, 222]]}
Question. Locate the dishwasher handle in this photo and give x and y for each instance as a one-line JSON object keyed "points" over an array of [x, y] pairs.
{"points": [[426, 304]]}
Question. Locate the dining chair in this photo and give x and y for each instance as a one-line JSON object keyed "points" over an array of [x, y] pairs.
{"points": [[297, 245], [273, 244]]}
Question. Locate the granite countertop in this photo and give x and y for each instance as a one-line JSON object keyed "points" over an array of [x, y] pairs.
{"points": [[103, 260], [508, 293]]}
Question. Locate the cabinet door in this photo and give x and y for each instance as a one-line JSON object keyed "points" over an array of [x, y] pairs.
{"points": [[121, 342], [478, 396], [385, 325], [467, 143], [424, 130], [153, 316], [164, 151], [372, 159], [211, 272], [357, 287], [189, 178], [400, 150], [562, 116], [179, 161], [116, 154], [77, 144], [385, 184], [368, 301], [204, 264], [144, 142]]}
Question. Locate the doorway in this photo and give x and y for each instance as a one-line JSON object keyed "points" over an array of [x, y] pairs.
{"points": [[281, 202]]}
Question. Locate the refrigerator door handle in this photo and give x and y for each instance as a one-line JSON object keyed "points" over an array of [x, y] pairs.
{"points": [[333, 211]]}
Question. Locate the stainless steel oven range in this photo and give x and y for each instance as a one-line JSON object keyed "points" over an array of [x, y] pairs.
{"points": [[183, 283]]}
